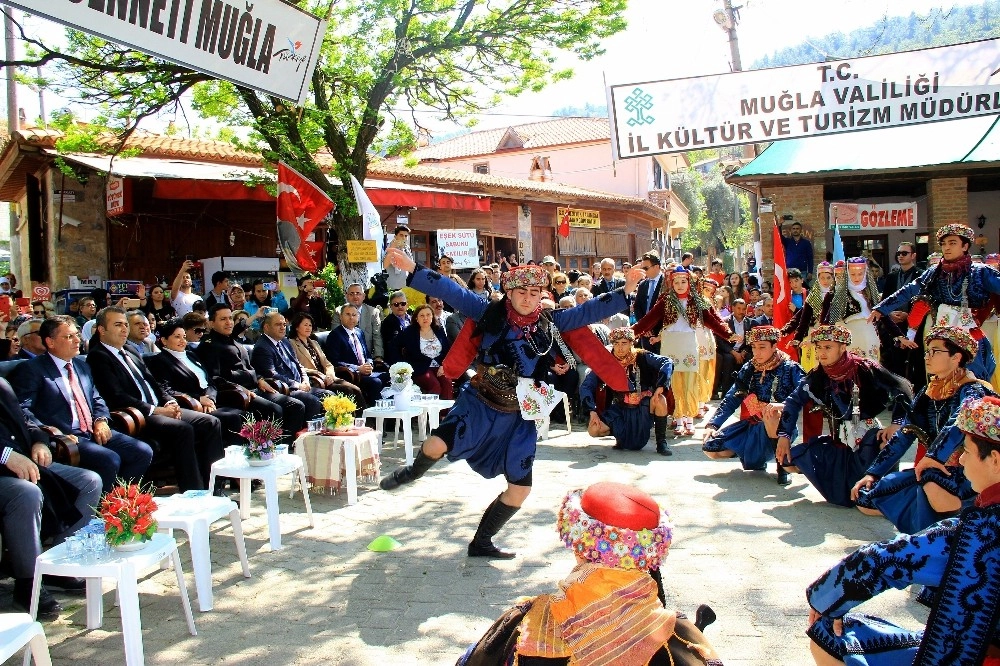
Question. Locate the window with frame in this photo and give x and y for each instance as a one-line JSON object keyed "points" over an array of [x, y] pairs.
{"points": [[420, 246], [482, 167]]}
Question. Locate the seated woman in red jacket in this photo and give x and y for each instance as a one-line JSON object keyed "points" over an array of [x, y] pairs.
{"points": [[423, 344]]}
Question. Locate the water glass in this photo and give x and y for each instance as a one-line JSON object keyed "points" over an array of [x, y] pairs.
{"points": [[75, 547], [315, 425], [359, 423], [433, 397], [234, 451]]}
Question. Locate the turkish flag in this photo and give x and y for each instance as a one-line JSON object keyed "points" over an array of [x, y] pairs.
{"points": [[301, 206], [782, 292], [564, 226]]}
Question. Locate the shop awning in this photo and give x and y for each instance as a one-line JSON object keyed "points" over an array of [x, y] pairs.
{"points": [[188, 179]]}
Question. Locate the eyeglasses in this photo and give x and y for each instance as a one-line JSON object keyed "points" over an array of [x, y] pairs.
{"points": [[560, 281], [399, 305], [903, 253], [200, 331], [930, 352]]}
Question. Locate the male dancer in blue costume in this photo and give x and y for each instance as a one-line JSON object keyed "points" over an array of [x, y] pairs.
{"points": [[769, 376], [914, 499], [510, 341], [851, 391], [955, 291], [960, 557], [629, 416]]}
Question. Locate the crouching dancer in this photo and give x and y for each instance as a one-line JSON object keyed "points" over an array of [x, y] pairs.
{"points": [[769, 376], [629, 416], [610, 610], [512, 344], [956, 558]]}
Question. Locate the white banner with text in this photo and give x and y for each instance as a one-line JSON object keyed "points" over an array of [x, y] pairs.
{"points": [[461, 245], [266, 45], [906, 88]]}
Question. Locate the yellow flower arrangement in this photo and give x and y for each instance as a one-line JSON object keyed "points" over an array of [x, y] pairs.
{"points": [[339, 410]]}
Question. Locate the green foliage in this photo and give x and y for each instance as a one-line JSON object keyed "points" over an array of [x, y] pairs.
{"points": [[457, 57], [93, 137], [333, 293], [718, 213], [896, 33]]}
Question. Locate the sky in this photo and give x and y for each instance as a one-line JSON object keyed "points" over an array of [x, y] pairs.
{"points": [[665, 39]]}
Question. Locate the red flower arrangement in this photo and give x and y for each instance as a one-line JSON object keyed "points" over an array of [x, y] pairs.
{"points": [[127, 512]]}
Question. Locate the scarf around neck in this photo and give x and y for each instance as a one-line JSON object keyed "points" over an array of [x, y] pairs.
{"points": [[777, 358], [955, 266], [989, 496], [846, 369], [942, 387], [520, 320]]}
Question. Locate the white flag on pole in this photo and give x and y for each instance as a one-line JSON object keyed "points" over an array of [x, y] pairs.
{"points": [[371, 224]]}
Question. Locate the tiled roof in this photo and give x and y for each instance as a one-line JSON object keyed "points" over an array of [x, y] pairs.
{"points": [[497, 185], [153, 145], [533, 136]]}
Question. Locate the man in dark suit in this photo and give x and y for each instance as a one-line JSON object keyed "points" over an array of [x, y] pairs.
{"points": [[371, 321], [38, 498], [121, 376], [609, 282], [648, 291], [228, 362], [394, 322], [57, 389], [31, 342], [730, 356], [274, 357], [346, 348], [766, 310]]}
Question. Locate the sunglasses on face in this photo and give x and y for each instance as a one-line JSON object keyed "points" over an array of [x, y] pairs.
{"points": [[399, 305], [903, 253], [200, 331], [560, 281]]}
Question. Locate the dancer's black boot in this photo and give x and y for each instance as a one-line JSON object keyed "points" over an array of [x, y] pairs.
{"points": [[660, 424], [420, 465], [783, 479], [496, 516]]}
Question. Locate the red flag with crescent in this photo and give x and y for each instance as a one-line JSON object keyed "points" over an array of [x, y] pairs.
{"points": [[301, 207], [782, 291]]}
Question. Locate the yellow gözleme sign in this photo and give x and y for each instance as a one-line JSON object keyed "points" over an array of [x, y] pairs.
{"points": [[586, 219], [361, 251]]}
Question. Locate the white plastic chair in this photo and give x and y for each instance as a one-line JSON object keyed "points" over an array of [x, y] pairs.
{"points": [[18, 630], [542, 424]]}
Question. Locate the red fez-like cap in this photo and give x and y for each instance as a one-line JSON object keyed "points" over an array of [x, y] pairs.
{"points": [[621, 505]]}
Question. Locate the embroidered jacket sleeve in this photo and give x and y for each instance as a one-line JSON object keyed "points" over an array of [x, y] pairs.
{"points": [[588, 392], [734, 396], [711, 320], [795, 322], [824, 315], [891, 454], [431, 283], [590, 312], [793, 405], [950, 438], [906, 560], [902, 298], [664, 369]]}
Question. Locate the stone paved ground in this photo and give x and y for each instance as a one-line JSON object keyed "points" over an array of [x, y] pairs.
{"points": [[742, 544]]}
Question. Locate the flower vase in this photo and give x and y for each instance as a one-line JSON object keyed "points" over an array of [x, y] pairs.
{"points": [[402, 395], [265, 459], [131, 545]]}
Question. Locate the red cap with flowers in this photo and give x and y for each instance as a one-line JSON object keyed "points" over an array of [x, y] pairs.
{"points": [[615, 525], [622, 333], [831, 333], [763, 334], [955, 335], [522, 277], [980, 417], [956, 229]]}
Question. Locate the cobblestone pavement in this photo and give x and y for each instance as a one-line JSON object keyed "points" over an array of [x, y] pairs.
{"points": [[743, 544]]}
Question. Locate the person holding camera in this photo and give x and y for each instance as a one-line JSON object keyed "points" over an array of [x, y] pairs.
{"points": [[263, 300], [182, 297]]}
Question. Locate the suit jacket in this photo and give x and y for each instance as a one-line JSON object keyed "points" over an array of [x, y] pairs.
{"points": [[44, 397], [226, 361], [390, 329], [747, 325], [267, 362], [340, 351], [306, 359], [371, 325], [114, 381], [175, 378], [15, 431], [603, 286], [407, 348], [642, 295]]}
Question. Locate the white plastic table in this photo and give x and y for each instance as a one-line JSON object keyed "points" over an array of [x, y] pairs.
{"points": [[405, 417], [18, 630], [431, 417], [320, 454], [238, 467], [124, 568], [193, 514]]}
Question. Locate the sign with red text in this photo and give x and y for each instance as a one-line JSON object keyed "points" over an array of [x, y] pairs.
{"points": [[461, 245], [891, 90], [116, 195], [267, 45], [862, 217]]}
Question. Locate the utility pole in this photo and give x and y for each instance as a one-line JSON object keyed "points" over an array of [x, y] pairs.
{"points": [[8, 24], [730, 28]]}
